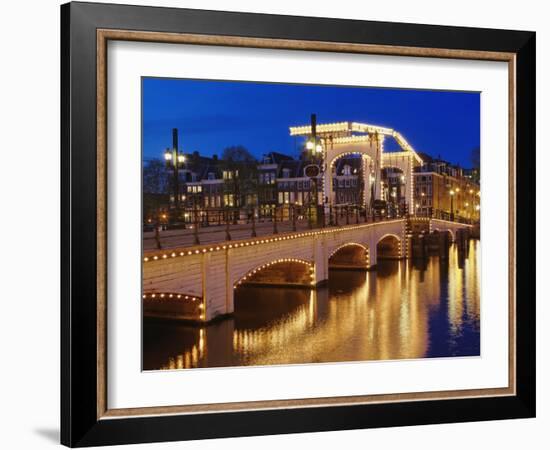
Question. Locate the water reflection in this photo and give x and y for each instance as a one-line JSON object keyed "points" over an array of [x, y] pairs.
{"points": [[424, 309]]}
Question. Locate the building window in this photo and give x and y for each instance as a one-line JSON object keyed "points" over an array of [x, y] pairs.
{"points": [[228, 200]]}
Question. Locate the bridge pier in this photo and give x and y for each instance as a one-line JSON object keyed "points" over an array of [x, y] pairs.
{"points": [[320, 258], [218, 292]]}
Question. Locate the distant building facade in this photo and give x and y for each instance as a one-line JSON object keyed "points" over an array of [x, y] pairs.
{"points": [[441, 187], [210, 185]]}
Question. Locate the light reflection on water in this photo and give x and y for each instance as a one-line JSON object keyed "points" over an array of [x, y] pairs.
{"points": [[401, 310]]}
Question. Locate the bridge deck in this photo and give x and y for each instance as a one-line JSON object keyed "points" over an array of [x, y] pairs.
{"points": [[214, 234]]}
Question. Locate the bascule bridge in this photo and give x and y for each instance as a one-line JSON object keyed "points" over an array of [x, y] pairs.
{"points": [[332, 141], [197, 282]]}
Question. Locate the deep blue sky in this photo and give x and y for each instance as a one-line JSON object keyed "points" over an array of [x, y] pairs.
{"points": [[212, 115]]}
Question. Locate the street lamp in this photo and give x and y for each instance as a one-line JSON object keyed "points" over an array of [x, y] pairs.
{"points": [[316, 149], [175, 160], [452, 192]]}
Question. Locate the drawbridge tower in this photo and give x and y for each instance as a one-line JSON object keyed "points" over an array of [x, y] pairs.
{"points": [[339, 139]]}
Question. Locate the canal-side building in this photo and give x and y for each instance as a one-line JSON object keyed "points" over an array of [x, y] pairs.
{"points": [[406, 181], [206, 183], [347, 182], [393, 186], [270, 171], [441, 187]]}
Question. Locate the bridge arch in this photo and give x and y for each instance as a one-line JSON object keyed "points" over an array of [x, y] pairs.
{"points": [[211, 272], [281, 271], [389, 246], [351, 255], [446, 230], [173, 304]]}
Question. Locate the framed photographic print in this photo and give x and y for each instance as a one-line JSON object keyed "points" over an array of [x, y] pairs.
{"points": [[277, 224]]}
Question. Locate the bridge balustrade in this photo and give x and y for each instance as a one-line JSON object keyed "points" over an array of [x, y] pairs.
{"points": [[211, 225]]}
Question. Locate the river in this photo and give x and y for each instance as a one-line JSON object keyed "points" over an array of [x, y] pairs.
{"points": [[401, 310]]}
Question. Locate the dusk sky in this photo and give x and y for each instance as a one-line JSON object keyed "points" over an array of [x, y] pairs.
{"points": [[213, 115]]}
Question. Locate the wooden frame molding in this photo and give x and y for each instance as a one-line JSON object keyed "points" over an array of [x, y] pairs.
{"points": [[105, 35], [86, 29]]}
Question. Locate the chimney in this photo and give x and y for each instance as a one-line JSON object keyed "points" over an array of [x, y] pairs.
{"points": [[215, 157]]}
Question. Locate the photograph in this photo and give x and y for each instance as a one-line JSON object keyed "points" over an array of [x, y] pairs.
{"points": [[288, 221], [298, 223]]}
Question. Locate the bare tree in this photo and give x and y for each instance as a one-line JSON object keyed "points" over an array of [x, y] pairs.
{"points": [[155, 193], [155, 177]]}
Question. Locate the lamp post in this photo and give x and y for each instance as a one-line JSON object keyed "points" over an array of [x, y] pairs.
{"points": [[452, 216], [314, 146], [175, 160]]}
